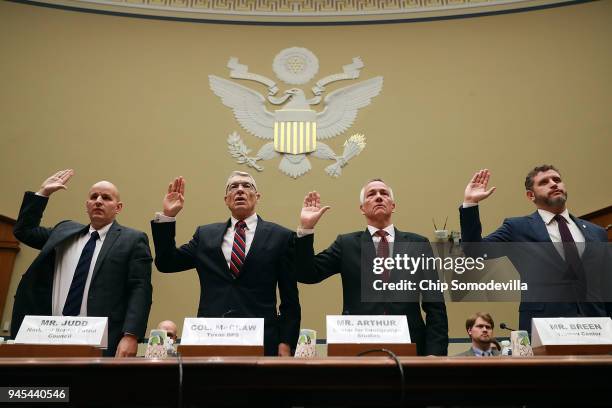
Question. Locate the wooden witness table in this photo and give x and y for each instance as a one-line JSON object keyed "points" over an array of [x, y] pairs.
{"points": [[332, 381]]}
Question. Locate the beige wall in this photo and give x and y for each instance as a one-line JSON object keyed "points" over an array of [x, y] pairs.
{"points": [[127, 100]]}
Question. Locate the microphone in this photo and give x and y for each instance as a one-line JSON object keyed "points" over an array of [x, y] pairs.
{"points": [[505, 327]]}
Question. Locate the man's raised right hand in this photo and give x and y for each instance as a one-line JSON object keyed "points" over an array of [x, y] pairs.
{"points": [[55, 182], [175, 199], [476, 190], [312, 210]]}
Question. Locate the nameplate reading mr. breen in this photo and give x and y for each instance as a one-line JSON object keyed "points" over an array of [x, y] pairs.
{"points": [[207, 331], [91, 331], [571, 331], [356, 329]]}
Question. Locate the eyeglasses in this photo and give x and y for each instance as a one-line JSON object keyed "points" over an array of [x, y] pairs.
{"points": [[232, 188]]}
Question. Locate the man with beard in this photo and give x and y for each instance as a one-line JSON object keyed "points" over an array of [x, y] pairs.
{"points": [[479, 327], [558, 265]]}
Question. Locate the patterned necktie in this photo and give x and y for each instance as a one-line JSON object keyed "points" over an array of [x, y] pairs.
{"points": [[239, 248], [72, 307], [382, 251], [572, 258]]}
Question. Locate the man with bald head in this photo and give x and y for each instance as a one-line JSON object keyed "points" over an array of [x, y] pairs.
{"points": [[100, 269], [170, 327]]}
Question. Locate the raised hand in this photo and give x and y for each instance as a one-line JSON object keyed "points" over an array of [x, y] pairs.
{"points": [[55, 182], [476, 190], [312, 210], [174, 200]]}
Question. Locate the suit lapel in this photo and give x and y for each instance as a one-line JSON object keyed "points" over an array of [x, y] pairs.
{"points": [[366, 238], [538, 228], [588, 232], [541, 235], [217, 240], [214, 240], [367, 244], [590, 237], [110, 239], [57, 239], [261, 235]]}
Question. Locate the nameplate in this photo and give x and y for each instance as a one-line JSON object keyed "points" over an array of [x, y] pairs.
{"points": [[357, 329], [205, 331], [91, 331], [571, 331]]}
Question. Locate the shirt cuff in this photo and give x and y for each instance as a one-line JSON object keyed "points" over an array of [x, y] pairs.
{"points": [[468, 205], [302, 232], [160, 218]]}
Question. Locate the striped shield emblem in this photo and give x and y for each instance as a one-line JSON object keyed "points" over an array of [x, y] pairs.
{"points": [[295, 131]]}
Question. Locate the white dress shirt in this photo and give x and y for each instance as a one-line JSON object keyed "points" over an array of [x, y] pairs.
{"points": [[66, 259], [390, 229], [390, 233], [552, 226], [302, 232], [228, 237]]}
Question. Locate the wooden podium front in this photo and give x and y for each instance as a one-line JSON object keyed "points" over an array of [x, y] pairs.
{"points": [[351, 350], [9, 246], [209, 351], [573, 350], [48, 350]]}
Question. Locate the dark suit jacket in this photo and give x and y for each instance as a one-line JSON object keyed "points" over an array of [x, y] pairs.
{"points": [[344, 256], [538, 264], [120, 287], [269, 262]]}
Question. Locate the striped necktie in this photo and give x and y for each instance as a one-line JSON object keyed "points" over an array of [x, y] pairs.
{"points": [[239, 248]]}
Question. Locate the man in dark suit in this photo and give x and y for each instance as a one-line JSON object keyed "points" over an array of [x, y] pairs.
{"points": [[100, 269], [240, 262], [346, 255], [562, 272]]}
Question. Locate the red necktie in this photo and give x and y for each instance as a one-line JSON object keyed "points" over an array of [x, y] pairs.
{"points": [[382, 251], [239, 248]]}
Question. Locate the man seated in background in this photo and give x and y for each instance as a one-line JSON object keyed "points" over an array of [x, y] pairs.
{"points": [[479, 327], [171, 330]]}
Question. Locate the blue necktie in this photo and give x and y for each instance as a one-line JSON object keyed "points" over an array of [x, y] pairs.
{"points": [[72, 307]]}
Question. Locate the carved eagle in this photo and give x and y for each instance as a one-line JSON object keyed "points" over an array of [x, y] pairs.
{"points": [[339, 112]]}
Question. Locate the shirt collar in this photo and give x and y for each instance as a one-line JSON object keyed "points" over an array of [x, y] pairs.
{"points": [[251, 222], [390, 230], [102, 231], [480, 353], [547, 216]]}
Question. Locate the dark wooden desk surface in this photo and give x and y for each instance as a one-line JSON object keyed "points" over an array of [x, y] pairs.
{"points": [[355, 381]]}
